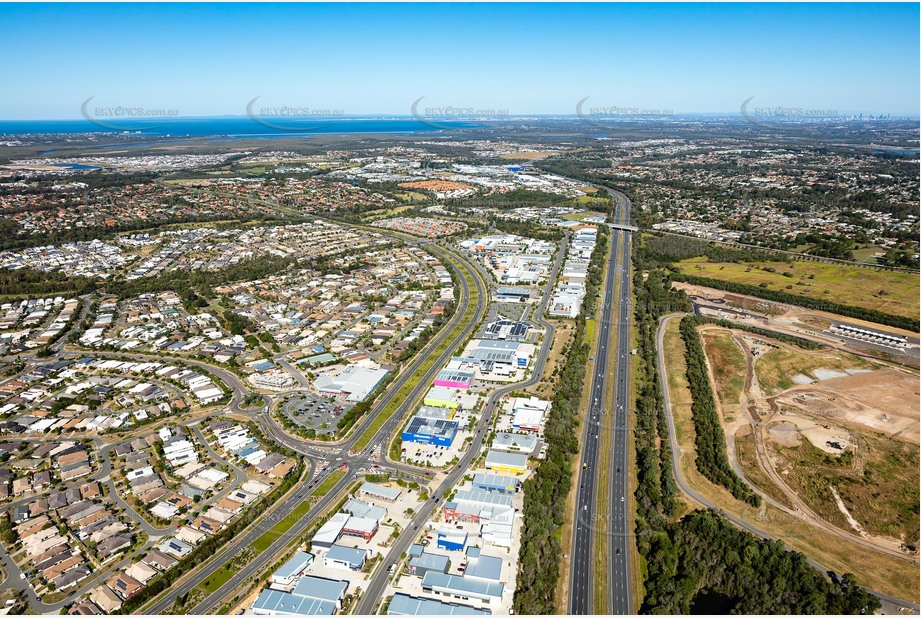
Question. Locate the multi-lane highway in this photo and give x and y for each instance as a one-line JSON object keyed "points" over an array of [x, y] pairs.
{"points": [[611, 357]]}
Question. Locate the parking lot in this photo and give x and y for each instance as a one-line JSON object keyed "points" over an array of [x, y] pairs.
{"points": [[317, 413]]}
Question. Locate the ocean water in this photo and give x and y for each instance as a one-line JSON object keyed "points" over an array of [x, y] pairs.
{"points": [[236, 126]]}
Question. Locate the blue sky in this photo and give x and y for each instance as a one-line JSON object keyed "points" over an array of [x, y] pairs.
{"points": [[212, 59]]}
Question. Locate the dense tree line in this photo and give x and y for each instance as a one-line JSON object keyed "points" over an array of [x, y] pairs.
{"points": [[709, 439], [674, 248], [546, 491], [656, 493], [29, 282], [860, 313], [703, 554]]}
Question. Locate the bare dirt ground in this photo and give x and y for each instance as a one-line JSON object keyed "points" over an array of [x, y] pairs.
{"points": [[885, 401], [786, 426], [882, 571]]}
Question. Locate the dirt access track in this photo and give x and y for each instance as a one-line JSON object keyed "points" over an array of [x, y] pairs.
{"points": [[800, 322], [840, 393]]}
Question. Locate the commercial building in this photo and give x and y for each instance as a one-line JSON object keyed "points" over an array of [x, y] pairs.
{"points": [[364, 527], [482, 566], [507, 352], [505, 329], [291, 571], [455, 378], [529, 413], [442, 397], [405, 605], [463, 588], [430, 431], [515, 442], [313, 596], [509, 294], [500, 461], [435, 412], [497, 533], [372, 490], [479, 505], [496, 482], [360, 508], [340, 557], [421, 562], [354, 383], [330, 532], [451, 539]]}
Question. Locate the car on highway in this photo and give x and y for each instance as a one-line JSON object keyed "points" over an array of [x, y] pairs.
{"points": [[584, 466]]}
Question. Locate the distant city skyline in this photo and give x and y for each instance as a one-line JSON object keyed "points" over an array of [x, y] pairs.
{"points": [[207, 60]]}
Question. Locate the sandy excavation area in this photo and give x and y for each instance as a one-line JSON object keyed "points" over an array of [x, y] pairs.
{"points": [[885, 401]]}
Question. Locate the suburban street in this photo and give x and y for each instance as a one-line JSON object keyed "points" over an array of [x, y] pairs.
{"points": [[354, 461]]}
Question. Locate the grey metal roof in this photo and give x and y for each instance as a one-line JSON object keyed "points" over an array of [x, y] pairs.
{"points": [[525, 442], [426, 560], [405, 605], [483, 567], [349, 555], [495, 480], [295, 565], [463, 586], [321, 588], [508, 459], [288, 603], [390, 493], [481, 496]]}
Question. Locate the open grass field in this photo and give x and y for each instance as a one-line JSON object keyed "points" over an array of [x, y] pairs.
{"points": [[775, 370], [878, 483], [384, 213], [578, 216], [890, 292], [728, 364], [880, 572], [527, 155]]}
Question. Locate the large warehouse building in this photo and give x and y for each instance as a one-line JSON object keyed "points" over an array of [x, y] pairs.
{"points": [[423, 430]]}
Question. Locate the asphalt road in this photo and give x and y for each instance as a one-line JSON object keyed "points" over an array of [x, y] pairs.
{"points": [[375, 588], [891, 605], [614, 323], [254, 567]]}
